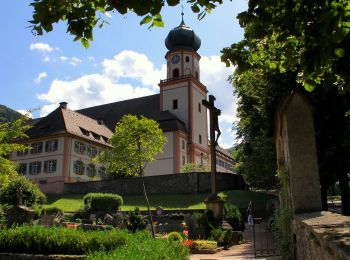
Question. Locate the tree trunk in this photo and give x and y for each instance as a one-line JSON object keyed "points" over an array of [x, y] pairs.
{"points": [[345, 193], [324, 189], [148, 207]]}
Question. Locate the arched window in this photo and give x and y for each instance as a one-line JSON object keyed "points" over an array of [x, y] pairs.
{"points": [[176, 73], [196, 75]]}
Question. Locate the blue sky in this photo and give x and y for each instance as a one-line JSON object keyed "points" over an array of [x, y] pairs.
{"points": [[124, 61]]}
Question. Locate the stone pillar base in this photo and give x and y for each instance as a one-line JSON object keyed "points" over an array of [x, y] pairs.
{"points": [[216, 205]]}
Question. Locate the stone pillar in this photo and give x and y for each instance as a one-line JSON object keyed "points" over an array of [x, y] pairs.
{"points": [[296, 152], [216, 205]]}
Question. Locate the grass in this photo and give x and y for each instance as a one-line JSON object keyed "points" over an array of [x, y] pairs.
{"points": [[240, 198]]}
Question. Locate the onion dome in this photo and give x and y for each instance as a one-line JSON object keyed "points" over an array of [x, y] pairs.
{"points": [[182, 37]]}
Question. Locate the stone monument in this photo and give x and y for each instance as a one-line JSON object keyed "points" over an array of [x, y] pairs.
{"points": [[296, 151]]}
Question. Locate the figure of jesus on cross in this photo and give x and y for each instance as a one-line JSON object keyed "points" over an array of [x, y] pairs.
{"points": [[214, 136]]}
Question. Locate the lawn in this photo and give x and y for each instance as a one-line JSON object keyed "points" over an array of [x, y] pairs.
{"points": [[240, 198]]}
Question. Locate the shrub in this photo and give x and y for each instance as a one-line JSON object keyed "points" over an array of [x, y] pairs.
{"points": [[43, 240], [234, 217], [3, 221], [204, 244], [20, 186], [175, 236], [217, 234], [142, 246], [136, 221], [103, 201], [52, 211]]}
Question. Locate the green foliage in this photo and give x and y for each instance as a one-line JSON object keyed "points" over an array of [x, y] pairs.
{"points": [[175, 236], [217, 235], [310, 38], [21, 191], [52, 211], [136, 221], [103, 201], [135, 143], [83, 16], [283, 219], [194, 167], [233, 216], [3, 220], [207, 221], [42, 240], [204, 244], [8, 133], [259, 94], [142, 247]]}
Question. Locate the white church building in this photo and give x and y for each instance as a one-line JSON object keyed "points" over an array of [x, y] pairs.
{"points": [[65, 141]]}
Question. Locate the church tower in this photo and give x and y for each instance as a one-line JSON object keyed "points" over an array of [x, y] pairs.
{"points": [[181, 93]]}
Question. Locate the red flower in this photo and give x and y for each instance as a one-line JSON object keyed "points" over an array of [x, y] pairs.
{"points": [[187, 243], [185, 232]]}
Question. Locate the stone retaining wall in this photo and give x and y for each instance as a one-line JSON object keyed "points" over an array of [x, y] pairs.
{"points": [[322, 236], [184, 183]]}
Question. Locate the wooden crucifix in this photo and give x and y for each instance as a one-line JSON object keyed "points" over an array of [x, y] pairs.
{"points": [[214, 136]]}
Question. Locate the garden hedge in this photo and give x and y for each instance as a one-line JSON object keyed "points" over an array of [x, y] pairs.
{"points": [[103, 201]]}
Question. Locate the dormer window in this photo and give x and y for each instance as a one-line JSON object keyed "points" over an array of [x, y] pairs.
{"points": [[84, 131], [96, 136], [175, 104]]}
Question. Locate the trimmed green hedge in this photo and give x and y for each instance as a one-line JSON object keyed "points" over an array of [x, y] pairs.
{"points": [[43, 240], [143, 247], [114, 244], [102, 201]]}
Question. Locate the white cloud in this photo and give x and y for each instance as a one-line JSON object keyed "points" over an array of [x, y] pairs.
{"points": [[40, 77], [42, 47], [88, 90], [91, 58], [214, 75], [74, 61], [63, 58], [130, 64], [25, 112]]}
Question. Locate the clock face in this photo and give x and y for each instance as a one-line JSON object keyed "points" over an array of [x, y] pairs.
{"points": [[175, 59]]}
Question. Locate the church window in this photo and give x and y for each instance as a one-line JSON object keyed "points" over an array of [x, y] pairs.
{"points": [[34, 168], [183, 144], [50, 166], [78, 167], [91, 151], [36, 148], [176, 73], [200, 139], [183, 160], [79, 147], [175, 104], [22, 153], [199, 107], [91, 170], [196, 75], [51, 146], [187, 59]]}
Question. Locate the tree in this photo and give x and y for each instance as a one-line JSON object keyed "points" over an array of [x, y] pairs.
{"points": [[83, 15], [258, 96], [310, 38], [135, 143], [9, 132]]}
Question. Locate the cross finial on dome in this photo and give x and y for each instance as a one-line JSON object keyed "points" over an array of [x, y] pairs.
{"points": [[182, 15]]}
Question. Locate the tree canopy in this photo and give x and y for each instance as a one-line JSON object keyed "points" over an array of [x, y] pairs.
{"points": [[9, 132], [310, 38], [83, 16], [135, 143]]}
